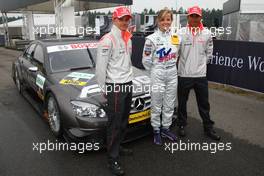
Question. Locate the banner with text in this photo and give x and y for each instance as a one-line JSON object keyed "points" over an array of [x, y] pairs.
{"points": [[238, 63]]}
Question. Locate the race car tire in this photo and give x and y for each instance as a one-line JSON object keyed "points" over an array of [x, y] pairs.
{"points": [[54, 117], [18, 81]]}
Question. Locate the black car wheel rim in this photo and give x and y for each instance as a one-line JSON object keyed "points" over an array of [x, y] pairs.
{"points": [[53, 113], [17, 81]]}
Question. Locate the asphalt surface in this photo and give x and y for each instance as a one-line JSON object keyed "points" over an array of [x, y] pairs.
{"points": [[239, 120]]}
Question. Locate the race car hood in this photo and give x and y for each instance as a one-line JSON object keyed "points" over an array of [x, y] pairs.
{"points": [[82, 85]]}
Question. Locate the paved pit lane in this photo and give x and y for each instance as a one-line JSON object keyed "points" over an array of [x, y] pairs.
{"points": [[239, 120]]}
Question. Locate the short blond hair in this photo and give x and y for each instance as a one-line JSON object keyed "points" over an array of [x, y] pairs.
{"points": [[162, 13]]}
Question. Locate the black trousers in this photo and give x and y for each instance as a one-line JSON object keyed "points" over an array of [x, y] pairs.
{"points": [[119, 98], [200, 86]]}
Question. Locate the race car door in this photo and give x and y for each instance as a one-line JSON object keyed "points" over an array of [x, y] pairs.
{"points": [[25, 62], [37, 71]]}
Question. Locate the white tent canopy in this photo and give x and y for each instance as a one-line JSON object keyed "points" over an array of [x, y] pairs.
{"points": [[252, 6]]}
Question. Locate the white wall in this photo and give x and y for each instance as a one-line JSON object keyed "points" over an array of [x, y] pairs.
{"points": [[68, 20], [252, 6]]}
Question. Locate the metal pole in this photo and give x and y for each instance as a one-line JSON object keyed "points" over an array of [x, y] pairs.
{"points": [[24, 28], [58, 17], [177, 17], [5, 24]]}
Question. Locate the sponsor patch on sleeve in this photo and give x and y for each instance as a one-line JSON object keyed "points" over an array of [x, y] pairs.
{"points": [[147, 49], [105, 50], [147, 53]]}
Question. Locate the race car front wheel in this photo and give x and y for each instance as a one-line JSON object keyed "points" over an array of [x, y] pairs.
{"points": [[17, 81], [54, 116]]}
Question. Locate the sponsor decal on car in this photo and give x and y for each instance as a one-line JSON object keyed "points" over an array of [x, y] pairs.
{"points": [[72, 82], [77, 78], [89, 90], [81, 75], [137, 117], [40, 80], [57, 48]]}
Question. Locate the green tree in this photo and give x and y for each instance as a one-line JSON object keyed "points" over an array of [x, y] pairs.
{"points": [[9, 19], [151, 11], [181, 10], [212, 18]]}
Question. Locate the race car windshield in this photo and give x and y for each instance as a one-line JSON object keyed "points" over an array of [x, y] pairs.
{"points": [[71, 59]]}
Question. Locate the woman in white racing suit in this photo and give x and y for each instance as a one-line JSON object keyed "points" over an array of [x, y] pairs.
{"points": [[160, 57]]}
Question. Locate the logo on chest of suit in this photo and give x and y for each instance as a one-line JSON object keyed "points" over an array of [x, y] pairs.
{"points": [[122, 50], [165, 55]]}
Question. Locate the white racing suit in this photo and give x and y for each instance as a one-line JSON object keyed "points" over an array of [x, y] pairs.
{"points": [[159, 57]]}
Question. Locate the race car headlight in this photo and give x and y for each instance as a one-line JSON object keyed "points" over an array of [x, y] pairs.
{"points": [[86, 109]]}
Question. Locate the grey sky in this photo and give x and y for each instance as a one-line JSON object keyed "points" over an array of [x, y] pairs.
{"points": [[139, 5]]}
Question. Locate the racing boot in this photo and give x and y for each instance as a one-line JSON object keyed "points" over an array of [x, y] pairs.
{"points": [[212, 134], [115, 168], [181, 131], [166, 133], [157, 137]]}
